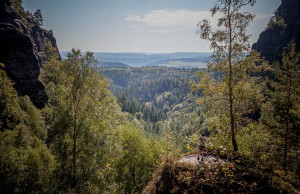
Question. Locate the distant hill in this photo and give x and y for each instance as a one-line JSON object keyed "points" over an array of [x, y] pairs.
{"points": [[154, 59], [196, 62], [179, 59], [112, 65]]}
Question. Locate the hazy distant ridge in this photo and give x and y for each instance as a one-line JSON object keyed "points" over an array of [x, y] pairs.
{"points": [[179, 59]]}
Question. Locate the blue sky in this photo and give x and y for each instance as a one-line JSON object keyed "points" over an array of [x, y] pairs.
{"points": [[150, 26]]}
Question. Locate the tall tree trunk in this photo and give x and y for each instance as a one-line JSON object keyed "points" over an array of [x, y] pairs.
{"points": [[74, 155], [230, 87], [286, 136], [285, 147]]}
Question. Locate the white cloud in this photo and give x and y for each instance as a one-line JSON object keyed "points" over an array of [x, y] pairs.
{"points": [[171, 19], [167, 20], [263, 16], [133, 18]]}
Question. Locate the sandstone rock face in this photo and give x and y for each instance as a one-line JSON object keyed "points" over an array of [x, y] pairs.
{"points": [[274, 38], [22, 52]]}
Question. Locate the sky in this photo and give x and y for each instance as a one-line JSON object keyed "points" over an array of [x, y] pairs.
{"points": [[144, 26]]}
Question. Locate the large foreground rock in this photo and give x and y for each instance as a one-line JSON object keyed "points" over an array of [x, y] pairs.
{"points": [[217, 175]]}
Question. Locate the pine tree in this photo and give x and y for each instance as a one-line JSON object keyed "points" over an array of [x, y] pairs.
{"points": [[285, 99], [38, 18]]}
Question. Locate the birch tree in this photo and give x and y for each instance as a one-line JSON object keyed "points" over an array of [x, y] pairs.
{"points": [[229, 90]]}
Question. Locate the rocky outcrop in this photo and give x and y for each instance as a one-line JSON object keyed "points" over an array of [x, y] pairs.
{"points": [[215, 175], [22, 52], [278, 35], [39, 36]]}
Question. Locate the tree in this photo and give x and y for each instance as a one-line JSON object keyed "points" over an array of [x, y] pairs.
{"points": [[17, 4], [284, 114], [26, 163], [138, 158], [38, 18], [80, 116], [230, 44], [50, 51]]}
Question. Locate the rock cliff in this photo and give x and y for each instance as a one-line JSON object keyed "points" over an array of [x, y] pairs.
{"points": [[283, 28], [22, 51]]}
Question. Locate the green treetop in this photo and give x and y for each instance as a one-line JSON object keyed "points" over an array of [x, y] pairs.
{"points": [[283, 116], [81, 111], [229, 90]]}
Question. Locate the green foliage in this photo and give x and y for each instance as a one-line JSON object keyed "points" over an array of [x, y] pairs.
{"points": [[232, 95], [183, 122], [162, 87], [246, 92], [10, 114], [96, 150], [26, 164], [281, 185], [81, 113], [256, 143], [282, 112], [160, 98], [138, 157], [17, 4], [147, 111], [50, 51], [154, 94], [18, 110]]}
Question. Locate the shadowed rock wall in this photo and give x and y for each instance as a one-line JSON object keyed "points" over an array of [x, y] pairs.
{"points": [[22, 52], [275, 37]]}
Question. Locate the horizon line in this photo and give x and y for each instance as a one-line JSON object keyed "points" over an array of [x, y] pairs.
{"points": [[129, 52]]}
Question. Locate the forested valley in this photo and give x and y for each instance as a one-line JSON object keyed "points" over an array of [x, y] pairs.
{"points": [[90, 129], [159, 97]]}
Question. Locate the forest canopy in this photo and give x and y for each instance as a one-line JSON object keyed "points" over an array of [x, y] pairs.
{"points": [[121, 130]]}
